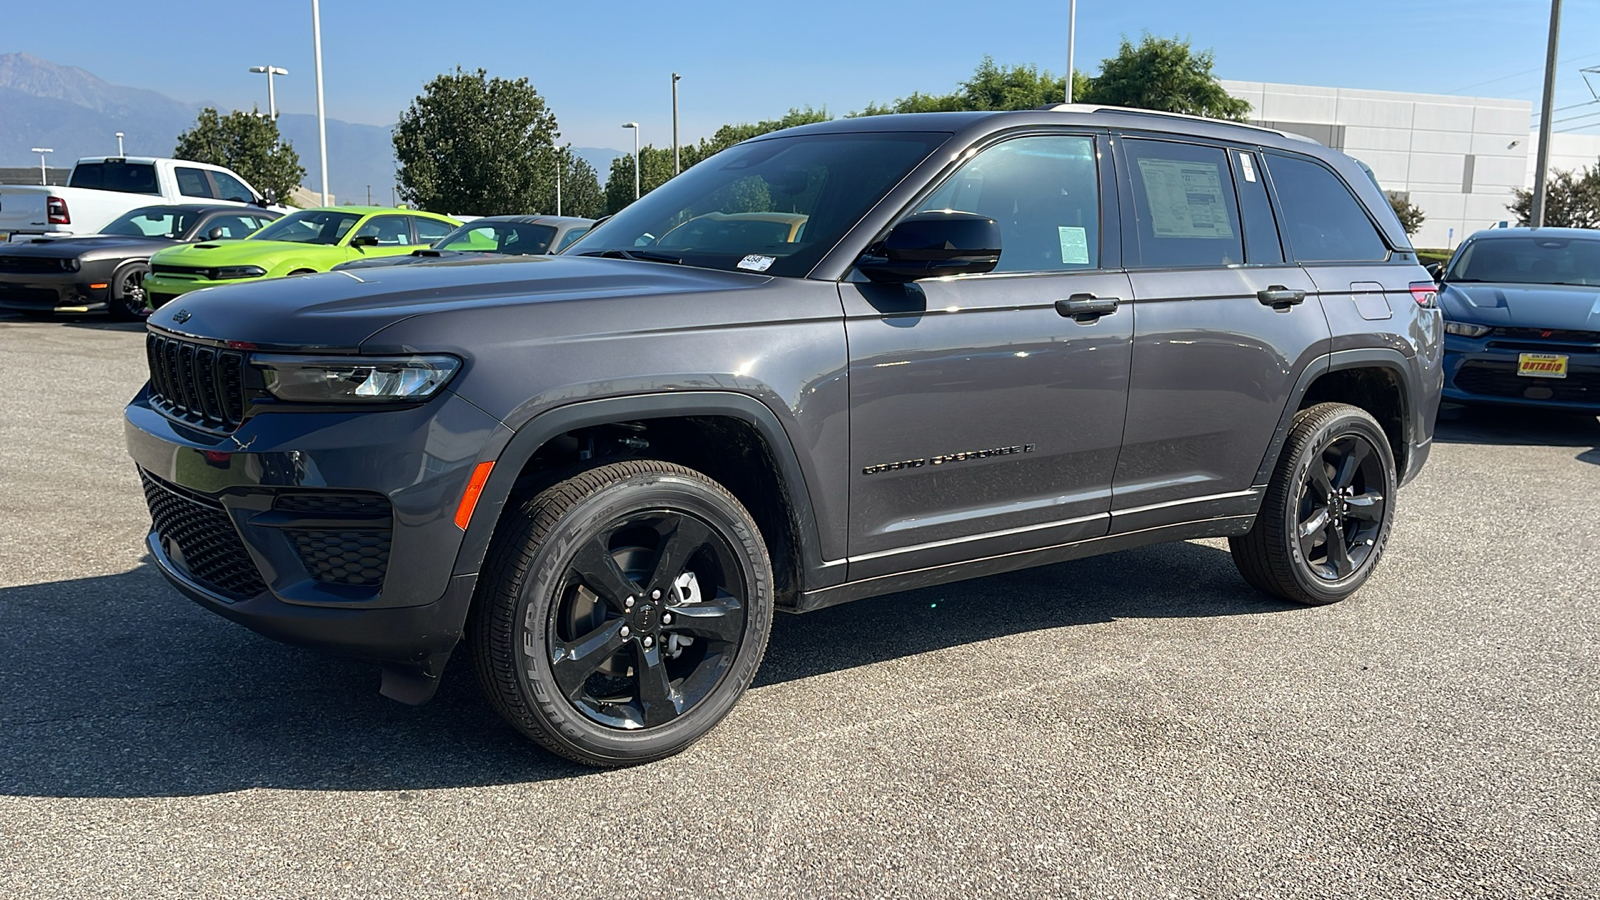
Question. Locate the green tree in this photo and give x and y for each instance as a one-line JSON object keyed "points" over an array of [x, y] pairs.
{"points": [[1164, 74], [1571, 200], [1411, 215], [248, 143], [581, 194], [991, 87], [477, 146]]}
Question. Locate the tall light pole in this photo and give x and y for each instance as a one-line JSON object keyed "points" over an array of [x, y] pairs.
{"points": [[322, 118], [676, 165], [1541, 166], [560, 160], [1072, 25], [635, 127], [272, 99], [119, 144], [42, 151]]}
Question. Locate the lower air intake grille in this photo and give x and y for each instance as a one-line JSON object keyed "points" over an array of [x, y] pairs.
{"points": [[205, 537], [353, 557]]}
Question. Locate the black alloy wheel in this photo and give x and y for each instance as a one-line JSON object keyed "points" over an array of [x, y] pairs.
{"points": [[1326, 516], [622, 612], [128, 301]]}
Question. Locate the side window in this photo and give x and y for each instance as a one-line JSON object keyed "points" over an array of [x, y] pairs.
{"points": [[1184, 200], [1044, 192], [571, 236], [1323, 221], [430, 230], [232, 227], [231, 188], [1261, 243], [193, 183], [391, 231]]}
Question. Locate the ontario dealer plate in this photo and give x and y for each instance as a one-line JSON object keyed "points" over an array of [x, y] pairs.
{"points": [[1542, 365]]}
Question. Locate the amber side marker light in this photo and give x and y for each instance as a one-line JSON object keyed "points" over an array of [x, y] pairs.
{"points": [[98, 286], [469, 497]]}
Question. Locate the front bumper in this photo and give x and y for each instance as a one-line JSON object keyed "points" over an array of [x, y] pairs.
{"points": [[1479, 373], [66, 292], [374, 491], [162, 289]]}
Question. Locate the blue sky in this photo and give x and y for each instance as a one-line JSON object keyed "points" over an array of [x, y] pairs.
{"points": [[603, 63]]}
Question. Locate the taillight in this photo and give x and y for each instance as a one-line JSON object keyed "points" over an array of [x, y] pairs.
{"points": [[1426, 293], [55, 209]]}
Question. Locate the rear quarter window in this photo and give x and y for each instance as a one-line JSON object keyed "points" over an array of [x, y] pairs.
{"points": [[1322, 220]]}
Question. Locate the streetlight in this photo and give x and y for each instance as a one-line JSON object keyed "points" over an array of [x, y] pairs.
{"points": [[322, 119], [1541, 165], [272, 100], [561, 159], [635, 127], [42, 151], [1072, 24], [119, 144], [676, 167]]}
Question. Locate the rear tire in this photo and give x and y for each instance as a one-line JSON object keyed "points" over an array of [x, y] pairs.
{"points": [[623, 613], [1325, 520]]}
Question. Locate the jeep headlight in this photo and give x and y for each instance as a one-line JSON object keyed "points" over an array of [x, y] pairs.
{"points": [[354, 379]]}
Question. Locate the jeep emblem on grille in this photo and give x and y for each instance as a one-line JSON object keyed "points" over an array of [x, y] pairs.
{"points": [[181, 316]]}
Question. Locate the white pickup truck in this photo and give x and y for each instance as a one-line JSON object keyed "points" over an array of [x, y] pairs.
{"points": [[104, 187]]}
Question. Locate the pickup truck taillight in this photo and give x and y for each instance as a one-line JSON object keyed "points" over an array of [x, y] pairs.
{"points": [[55, 209]]}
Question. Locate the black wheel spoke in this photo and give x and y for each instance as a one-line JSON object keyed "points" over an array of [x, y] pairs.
{"points": [[717, 620], [596, 568], [1367, 507], [688, 535], [1338, 553], [573, 662], [1319, 478], [1317, 522], [659, 701], [1350, 464]]}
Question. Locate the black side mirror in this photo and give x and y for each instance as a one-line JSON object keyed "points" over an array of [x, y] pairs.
{"points": [[216, 234], [364, 240], [1436, 270], [932, 245]]}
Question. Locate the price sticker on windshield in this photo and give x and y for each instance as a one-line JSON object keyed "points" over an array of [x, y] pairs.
{"points": [[757, 263]]}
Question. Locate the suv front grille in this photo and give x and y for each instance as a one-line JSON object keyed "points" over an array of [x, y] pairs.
{"points": [[204, 535], [1500, 379], [199, 384]]}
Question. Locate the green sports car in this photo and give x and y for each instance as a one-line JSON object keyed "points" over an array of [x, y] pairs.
{"points": [[311, 240]]}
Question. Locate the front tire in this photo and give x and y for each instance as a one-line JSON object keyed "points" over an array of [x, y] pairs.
{"points": [[624, 613], [1325, 520], [128, 301]]}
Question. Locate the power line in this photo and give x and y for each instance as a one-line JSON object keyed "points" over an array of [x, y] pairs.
{"points": [[1520, 74]]}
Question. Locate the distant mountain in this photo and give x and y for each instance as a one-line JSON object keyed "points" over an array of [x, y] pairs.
{"points": [[78, 114]]}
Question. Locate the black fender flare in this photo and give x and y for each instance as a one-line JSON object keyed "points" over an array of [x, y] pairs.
{"points": [[540, 429], [1364, 358]]}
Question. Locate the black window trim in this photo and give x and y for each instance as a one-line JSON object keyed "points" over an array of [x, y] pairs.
{"points": [[1392, 256], [1272, 208], [1133, 250], [1110, 214]]}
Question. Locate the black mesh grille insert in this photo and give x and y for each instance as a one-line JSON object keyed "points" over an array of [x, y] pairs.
{"points": [[354, 557], [333, 504], [1500, 379], [205, 536], [196, 383]]}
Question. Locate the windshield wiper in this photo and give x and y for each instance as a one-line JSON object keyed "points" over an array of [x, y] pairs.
{"points": [[646, 255]]}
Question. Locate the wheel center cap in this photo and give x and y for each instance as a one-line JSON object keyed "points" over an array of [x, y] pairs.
{"points": [[645, 616]]}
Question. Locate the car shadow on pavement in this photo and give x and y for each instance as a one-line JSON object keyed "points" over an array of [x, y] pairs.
{"points": [[117, 686], [1525, 427]]}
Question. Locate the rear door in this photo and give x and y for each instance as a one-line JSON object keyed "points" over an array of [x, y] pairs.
{"points": [[1223, 330], [984, 419]]}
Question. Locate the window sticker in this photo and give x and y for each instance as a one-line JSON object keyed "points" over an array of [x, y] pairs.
{"points": [[757, 263], [1248, 166], [1185, 199], [1074, 245]]}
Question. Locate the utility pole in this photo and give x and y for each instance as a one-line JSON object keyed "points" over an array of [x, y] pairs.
{"points": [[272, 99], [119, 144], [676, 165], [635, 127], [1072, 25], [322, 118], [43, 178], [1541, 166], [560, 159]]}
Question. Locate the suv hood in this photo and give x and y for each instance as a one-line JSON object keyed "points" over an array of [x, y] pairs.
{"points": [[1557, 306], [340, 310]]}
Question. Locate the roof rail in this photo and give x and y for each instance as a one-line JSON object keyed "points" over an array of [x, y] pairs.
{"points": [[1129, 110]]}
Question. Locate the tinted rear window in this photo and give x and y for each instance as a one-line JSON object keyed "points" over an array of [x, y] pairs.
{"points": [[1323, 221], [128, 178]]}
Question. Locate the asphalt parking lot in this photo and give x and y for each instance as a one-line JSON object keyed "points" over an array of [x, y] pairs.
{"points": [[1135, 725]]}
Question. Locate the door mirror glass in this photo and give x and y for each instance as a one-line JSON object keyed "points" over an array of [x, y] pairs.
{"points": [[364, 240], [932, 245]]}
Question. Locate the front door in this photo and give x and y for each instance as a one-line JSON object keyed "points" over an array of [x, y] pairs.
{"points": [[985, 415]]}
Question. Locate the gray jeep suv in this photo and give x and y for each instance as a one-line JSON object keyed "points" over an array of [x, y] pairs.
{"points": [[828, 363]]}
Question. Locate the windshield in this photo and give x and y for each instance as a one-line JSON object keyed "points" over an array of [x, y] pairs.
{"points": [[153, 221], [773, 206], [309, 226], [1529, 260], [510, 238]]}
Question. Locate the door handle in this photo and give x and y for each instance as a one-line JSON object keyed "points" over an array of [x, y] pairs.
{"points": [[1279, 297], [1086, 308]]}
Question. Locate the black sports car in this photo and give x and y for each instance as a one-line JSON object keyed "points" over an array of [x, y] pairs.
{"points": [[106, 270], [491, 236]]}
